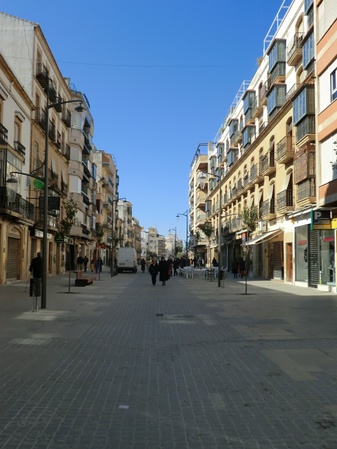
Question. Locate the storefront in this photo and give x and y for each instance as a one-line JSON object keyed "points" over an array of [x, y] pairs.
{"points": [[314, 256]]}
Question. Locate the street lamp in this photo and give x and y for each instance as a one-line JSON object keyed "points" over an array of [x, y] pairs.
{"points": [[202, 180], [175, 239], [185, 214], [46, 186]]}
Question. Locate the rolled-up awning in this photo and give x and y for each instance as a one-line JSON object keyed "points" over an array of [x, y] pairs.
{"points": [[264, 237]]}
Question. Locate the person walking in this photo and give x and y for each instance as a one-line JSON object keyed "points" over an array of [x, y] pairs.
{"points": [[36, 266], [85, 262], [79, 262], [154, 270], [142, 265], [163, 271]]}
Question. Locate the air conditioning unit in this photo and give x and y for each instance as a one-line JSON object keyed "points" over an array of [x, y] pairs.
{"points": [[262, 226]]}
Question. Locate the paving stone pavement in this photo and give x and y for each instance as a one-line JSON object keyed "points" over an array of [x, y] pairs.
{"points": [[121, 364]]}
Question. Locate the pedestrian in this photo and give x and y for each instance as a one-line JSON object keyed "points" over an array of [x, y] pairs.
{"points": [[92, 265], [175, 266], [142, 265], [214, 262], [163, 271], [36, 266], [235, 268], [241, 267], [79, 262], [154, 270], [85, 262]]}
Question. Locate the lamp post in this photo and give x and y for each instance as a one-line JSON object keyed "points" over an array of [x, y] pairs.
{"points": [[185, 214], [175, 239], [45, 199], [202, 178]]}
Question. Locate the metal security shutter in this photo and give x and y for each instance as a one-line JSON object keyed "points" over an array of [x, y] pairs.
{"points": [[278, 260], [12, 265], [313, 258]]}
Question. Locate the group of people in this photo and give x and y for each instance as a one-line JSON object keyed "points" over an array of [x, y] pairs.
{"points": [[164, 268], [238, 268]]}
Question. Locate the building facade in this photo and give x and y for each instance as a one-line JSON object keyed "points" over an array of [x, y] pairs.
{"points": [[263, 184]]}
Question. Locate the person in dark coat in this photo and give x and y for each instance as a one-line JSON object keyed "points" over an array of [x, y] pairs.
{"points": [[154, 270], [235, 268], [142, 265], [163, 271], [36, 266]]}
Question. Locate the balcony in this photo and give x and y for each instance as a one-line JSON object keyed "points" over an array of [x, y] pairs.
{"points": [[304, 163], [40, 117], [285, 150], [235, 224], [19, 148], [263, 94], [201, 200], [246, 181], [240, 185], [305, 131], [268, 164], [306, 192], [256, 107], [268, 209], [237, 137], [284, 201], [294, 50], [277, 76], [249, 119], [12, 203], [3, 135], [255, 174], [52, 131], [66, 118], [42, 74]]}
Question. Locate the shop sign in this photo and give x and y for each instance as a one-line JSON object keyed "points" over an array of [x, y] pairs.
{"points": [[320, 219], [60, 238]]}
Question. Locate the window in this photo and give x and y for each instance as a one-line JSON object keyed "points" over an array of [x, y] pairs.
{"points": [[333, 85], [276, 97], [248, 135], [304, 104], [307, 5], [233, 127], [308, 50], [277, 53]]}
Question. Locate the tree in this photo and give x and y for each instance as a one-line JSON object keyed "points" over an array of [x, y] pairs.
{"points": [[208, 231], [70, 209], [250, 216]]}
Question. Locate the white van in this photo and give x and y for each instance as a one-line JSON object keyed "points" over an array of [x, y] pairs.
{"points": [[127, 259]]}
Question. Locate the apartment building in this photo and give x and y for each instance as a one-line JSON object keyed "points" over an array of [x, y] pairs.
{"points": [[137, 231], [125, 220], [105, 192], [198, 241], [17, 212], [326, 135], [263, 161], [36, 70], [60, 144]]}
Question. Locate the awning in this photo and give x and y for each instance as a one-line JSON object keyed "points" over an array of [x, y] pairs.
{"points": [[264, 237]]}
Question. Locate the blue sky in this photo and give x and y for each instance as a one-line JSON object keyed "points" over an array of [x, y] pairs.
{"points": [[160, 77]]}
